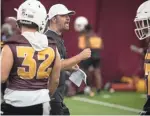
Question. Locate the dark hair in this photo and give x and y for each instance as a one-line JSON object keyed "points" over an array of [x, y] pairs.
{"points": [[27, 24], [88, 27]]}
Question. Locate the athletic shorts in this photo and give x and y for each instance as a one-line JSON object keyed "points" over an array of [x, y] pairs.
{"points": [[7, 109]]}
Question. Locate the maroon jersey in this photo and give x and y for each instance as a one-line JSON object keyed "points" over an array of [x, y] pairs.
{"points": [[31, 69]]}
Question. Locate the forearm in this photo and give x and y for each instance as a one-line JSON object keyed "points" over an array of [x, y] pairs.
{"points": [[4, 79], [55, 75], [53, 86], [69, 63]]}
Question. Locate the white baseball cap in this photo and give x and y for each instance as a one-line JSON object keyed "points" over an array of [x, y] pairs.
{"points": [[59, 9]]}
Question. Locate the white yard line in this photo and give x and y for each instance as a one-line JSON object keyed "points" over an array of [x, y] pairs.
{"points": [[83, 99]]}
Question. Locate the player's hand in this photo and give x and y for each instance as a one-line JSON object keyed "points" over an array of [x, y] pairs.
{"points": [[85, 54], [136, 49]]}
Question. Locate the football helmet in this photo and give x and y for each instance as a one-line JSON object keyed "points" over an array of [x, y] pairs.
{"points": [[142, 21], [80, 23], [32, 11]]}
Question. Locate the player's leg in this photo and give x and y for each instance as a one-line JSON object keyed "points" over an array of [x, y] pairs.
{"points": [[65, 109], [146, 108], [56, 108], [84, 65], [8, 109], [97, 74]]}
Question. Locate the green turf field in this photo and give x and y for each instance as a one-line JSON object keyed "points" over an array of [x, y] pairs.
{"points": [[118, 103]]}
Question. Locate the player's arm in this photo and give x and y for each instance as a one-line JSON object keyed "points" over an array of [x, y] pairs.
{"points": [[54, 79], [67, 64], [136, 49], [6, 62]]}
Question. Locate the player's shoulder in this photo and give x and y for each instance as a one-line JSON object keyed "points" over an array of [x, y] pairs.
{"points": [[17, 38], [95, 35]]}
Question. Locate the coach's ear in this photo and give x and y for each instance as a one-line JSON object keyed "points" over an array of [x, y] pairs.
{"points": [[54, 19]]}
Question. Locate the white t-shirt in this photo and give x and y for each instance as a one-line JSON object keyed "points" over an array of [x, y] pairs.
{"points": [[26, 98]]}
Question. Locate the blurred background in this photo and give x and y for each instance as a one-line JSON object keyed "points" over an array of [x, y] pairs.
{"points": [[123, 86]]}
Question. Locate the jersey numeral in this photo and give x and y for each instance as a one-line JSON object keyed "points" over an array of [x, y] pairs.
{"points": [[41, 72]]}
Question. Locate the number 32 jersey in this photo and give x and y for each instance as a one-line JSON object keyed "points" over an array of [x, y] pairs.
{"points": [[31, 69]]}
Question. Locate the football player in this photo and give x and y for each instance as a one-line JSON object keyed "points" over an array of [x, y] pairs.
{"points": [[30, 64], [9, 28], [142, 22], [89, 39]]}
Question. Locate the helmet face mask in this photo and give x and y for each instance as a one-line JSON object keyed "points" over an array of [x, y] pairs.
{"points": [[142, 30], [142, 21]]}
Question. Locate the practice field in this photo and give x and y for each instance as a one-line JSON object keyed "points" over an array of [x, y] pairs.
{"points": [[117, 103]]}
